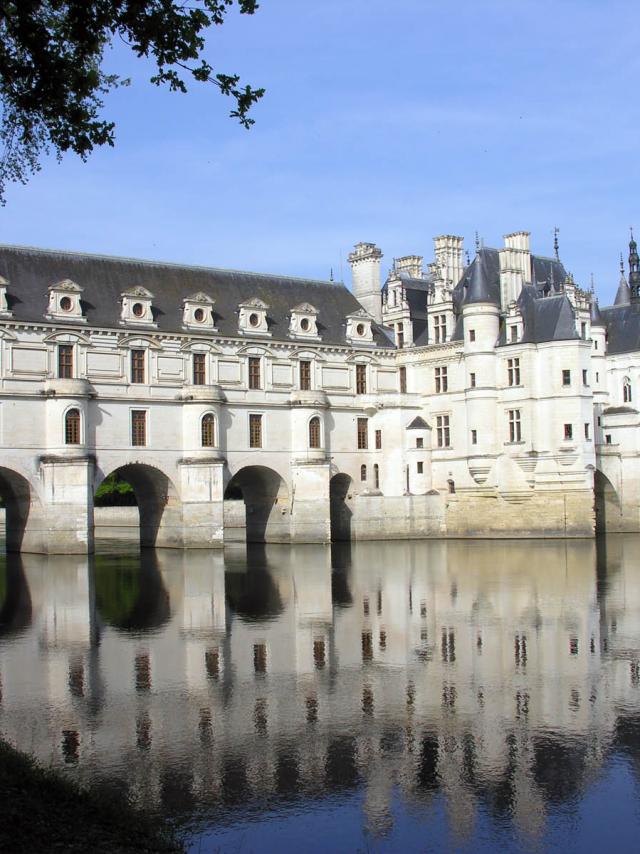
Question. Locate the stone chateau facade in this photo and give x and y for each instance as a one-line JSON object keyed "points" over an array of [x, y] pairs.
{"points": [[490, 397]]}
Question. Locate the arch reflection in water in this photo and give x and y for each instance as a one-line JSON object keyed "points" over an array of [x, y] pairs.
{"points": [[497, 680]]}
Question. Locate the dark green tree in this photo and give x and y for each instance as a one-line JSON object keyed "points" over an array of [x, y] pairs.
{"points": [[52, 84]]}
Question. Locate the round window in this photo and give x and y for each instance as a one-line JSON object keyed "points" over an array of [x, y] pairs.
{"points": [[254, 320], [199, 315], [305, 324], [66, 304], [138, 309], [360, 329]]}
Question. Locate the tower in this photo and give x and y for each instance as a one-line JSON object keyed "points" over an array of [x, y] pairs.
{"points": [[365, 271]]}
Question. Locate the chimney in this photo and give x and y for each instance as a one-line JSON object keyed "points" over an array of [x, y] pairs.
{"points": [[409, 264], [515, 266], [449, 257], [365, 274]]}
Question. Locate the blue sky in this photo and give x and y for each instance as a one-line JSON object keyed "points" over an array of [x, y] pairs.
{"points": [[389, 122]]}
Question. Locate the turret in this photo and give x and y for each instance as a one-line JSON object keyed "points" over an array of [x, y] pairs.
{"points": [[365, 272], [623, 294]]}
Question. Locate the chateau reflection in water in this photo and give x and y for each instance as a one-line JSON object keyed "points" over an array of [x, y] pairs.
{"points": [[501, 673]]}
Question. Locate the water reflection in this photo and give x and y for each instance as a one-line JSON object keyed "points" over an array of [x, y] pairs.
{"points": [[492, 681]]}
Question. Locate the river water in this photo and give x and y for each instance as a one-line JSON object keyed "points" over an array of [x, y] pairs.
{"points": [[421, 696]]}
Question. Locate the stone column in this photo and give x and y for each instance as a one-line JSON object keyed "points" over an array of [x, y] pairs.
{"points": [[202, 493], [66, 526]]}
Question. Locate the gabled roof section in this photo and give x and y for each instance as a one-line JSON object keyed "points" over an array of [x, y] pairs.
{"points": [[418, 423], [549, 318], [104, 279]]}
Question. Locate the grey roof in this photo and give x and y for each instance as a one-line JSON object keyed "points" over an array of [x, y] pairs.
{"points": [[482, 283], [418, 423], [623, 294], [596, 316], [623, 327], [31, 271], [619, 410], [549, 318]]}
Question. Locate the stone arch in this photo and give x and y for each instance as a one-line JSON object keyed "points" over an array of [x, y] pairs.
{"points": [[606, 503], [159, 507], [21, 509], [265, 517], [340, 508]]}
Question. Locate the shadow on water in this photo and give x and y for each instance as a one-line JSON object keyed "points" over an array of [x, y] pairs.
{"points": [[130, 593], [15, 598], [251, 591]]}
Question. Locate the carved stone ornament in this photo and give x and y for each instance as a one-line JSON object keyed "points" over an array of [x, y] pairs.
{"points": [[303, 322], [64, 301], [252, 318], [197, 312]]}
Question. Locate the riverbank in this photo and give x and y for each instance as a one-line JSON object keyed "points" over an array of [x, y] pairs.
{"points": [[44, 812]]}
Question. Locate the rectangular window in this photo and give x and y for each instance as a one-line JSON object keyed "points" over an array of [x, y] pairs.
{"points": [[199, 368], [513, 371], [513, 334], [607, 438], [137, 366], [419, 442], [363, 434], [378, 440], [472, 380], [420, 467], [566, 377], [305, 376], [255, 431], [443, 435], [138, 427], [583, 331], [260, 658], [515, 429], [254, 372], [400, 336], [595, 345], [597, 377], [442, 381], [65, 361], [403, 380], [361, 379], [585, 378], [587, 435], [440, 328], [474, 437], [568, 431], [472, 335]]}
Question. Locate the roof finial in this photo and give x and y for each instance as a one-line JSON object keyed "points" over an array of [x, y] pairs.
{"points": [[331, 275], [477, 243], [466, 253], [621, 265], [556, 232], [593, 286]]}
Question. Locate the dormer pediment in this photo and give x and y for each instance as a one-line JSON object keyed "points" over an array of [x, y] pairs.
{"points": [[197, 312], [359, 327], [252, 317], [64, 301], [137, 306], [303, 321]]}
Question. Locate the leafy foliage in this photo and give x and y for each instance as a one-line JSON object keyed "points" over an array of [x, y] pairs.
{"points": [[51, 82], [115, 492]]}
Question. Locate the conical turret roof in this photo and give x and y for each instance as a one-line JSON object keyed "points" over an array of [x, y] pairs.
{"points": [[623, 295], [596, 317], [479, 286]]}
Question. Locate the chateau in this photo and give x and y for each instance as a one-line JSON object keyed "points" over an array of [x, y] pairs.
{"points": [[464, 398]]}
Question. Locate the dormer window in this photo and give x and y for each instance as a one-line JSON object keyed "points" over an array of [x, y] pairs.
{"points": [[64, 301], [4, 306], [252, 317], [303, 322], [359, 329], [197, 312], [137, 307]]}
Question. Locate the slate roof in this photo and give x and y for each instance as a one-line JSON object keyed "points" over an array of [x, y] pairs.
{"points": [[623, 327], [623, 294], [31, 271], [418, 423]]}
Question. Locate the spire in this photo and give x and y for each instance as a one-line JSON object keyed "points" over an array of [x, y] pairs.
{"points": [[556, 232], [623, 295], [331, 275], [634, 269]]}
